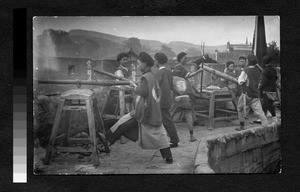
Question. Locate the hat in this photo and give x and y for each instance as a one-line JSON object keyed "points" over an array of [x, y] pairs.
{"points": [[145, 57], [242, 57], [252, 59], [229, 63], [121, 55], [180, 55], [161, 58]]}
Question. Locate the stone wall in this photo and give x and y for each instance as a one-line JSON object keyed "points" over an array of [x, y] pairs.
{"points": [[256, 150]]}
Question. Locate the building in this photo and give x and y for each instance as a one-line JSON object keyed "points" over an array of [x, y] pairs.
{"points": [[234, 51]]}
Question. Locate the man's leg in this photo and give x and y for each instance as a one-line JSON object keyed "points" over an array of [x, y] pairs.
{"points": [[126, 126], [166, 154], [189, 120], [169, 126], [241, 115], [255, 104]]}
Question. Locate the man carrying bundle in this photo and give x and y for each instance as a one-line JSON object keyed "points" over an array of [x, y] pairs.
{"points": [[183, 92]]}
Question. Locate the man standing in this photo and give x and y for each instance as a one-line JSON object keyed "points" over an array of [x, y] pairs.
{"points": [[122, 71], [268, 88], [185, 101], [165, 81], [249, 79]]}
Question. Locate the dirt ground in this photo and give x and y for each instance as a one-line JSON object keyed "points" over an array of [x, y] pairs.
{"points": [[129, 158]]}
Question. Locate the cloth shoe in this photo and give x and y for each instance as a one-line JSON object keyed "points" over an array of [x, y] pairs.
{"points": [[242, 127], [192, 138], [104, 141], [173, 145], [169, 160]]}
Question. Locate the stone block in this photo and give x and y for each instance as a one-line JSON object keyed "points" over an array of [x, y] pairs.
{"points": [[231, 147]]}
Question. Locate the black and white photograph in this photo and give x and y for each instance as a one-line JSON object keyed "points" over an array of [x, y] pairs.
{"points": [[156, 95]]}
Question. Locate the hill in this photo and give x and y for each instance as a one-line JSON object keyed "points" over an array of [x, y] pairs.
{"points": [[97, 45]]}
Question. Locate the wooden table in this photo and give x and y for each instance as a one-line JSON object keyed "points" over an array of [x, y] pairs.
{"points": [[214, 96]]}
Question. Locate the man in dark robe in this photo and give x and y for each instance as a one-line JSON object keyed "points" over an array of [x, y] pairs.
{"points": [[165, 80]]}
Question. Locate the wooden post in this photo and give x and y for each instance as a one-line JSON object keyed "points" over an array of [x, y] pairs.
{"points": [[202, 73], [122, 109], [91, 122], [211, 111], [67, 128], [54, 131]]}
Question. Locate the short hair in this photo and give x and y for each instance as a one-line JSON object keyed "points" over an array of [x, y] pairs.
{"points": [[242, 57], [145, 57], [229, 63], [252, 59], [122, 55], [267, 59], [161, 58], [180, 55]]}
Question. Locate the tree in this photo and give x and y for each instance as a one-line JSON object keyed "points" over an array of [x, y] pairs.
{"points": [[274, 52], [146, 48], [192, 52], [168, 51], [133, 43]]}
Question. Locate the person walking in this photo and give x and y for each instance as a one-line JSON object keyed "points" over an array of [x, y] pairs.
{"points": [[165, 81], [268, 88], [185, 101]]}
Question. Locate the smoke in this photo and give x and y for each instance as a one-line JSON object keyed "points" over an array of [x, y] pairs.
{"points": [[44, 55]]}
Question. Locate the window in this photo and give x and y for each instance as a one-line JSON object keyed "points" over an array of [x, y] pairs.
{"points": [[71, 70]]}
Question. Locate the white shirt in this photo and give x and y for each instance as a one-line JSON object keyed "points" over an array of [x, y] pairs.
{"points": [[243, 76]]}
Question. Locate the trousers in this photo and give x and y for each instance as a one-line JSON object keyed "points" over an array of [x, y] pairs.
{"points": [[267, 105], [130, 130], [255, 105], [169, 125]]}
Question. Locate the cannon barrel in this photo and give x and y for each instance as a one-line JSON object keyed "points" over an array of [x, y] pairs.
{"points": [[111, 75], [219, 74], [84, 82]]}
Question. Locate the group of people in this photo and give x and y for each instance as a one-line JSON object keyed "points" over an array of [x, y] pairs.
{"points": [[151, 122], [257, 87]]}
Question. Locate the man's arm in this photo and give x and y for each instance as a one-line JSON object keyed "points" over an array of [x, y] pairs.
{"points": [[190, 75], [180, 71], [242, 78], [119, 73], [142, 89]]}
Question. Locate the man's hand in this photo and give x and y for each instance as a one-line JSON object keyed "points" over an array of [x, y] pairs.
{"points": [[132, 84]]}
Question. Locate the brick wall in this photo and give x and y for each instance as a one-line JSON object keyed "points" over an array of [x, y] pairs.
{"points": [[256, 150]]}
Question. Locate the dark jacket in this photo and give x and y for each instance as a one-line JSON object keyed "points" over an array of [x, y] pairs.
{"points": [[165, 80], [268, 79], [253, 74], [180, 71]]}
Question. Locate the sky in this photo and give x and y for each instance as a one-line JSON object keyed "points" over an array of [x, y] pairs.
{"points": [[213, 30]]}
